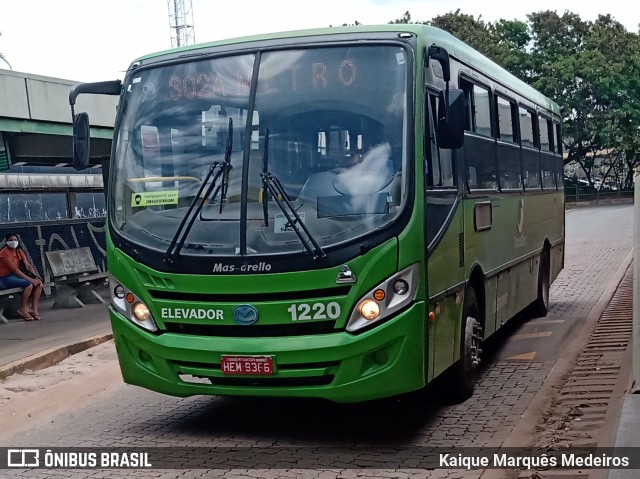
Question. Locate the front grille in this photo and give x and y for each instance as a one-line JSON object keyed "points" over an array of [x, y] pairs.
{"points": [[273, 382], [250, 297], [252, 331]]}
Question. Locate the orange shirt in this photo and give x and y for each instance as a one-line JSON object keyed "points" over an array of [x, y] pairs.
{"points": [[8, 257]]}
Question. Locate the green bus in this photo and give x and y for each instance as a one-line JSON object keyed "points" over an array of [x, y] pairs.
{"points": [[341, 213]]}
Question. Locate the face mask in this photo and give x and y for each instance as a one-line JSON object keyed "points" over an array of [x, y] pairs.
{"points": [[12, 244]]}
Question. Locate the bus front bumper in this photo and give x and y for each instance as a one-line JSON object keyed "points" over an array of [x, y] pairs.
{"points": [[384, 361]]}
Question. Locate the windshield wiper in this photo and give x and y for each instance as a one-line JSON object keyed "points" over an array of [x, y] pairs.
{"points": [[265, 171], [178, 240], [293, 218], [226, 166]]}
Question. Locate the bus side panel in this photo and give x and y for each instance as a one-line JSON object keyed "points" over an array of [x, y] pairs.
{"points": [[444, 333], [445, 273], [507, 248], [557, 260], [517, 288], [490, 313]]}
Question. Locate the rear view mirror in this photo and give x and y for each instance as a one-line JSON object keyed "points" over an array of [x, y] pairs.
{"points": [[451, 113], [81, 141], [81, 133]]}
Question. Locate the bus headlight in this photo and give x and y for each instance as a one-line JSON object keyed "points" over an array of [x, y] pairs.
{"points": [[401, 287], [369, 309], [141, 312], [131, 307], [385, 299]]}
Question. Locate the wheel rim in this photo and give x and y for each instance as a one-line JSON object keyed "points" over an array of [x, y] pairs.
{"points": [[476, 338]]}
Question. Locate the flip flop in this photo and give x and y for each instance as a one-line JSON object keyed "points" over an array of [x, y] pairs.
{"points": [[34, 315], [28, 317]]}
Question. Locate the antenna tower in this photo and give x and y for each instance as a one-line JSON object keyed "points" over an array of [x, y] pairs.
{"points": [[181, 23]]}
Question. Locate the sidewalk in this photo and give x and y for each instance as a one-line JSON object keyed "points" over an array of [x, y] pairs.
{"points": [[59, 334]]}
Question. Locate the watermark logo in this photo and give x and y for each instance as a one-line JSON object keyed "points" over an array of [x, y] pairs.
{"points": [[73, 458], [23, 458]]}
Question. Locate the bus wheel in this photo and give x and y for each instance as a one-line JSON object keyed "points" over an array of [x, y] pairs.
{"points": [[469, 364], [540, 306]]}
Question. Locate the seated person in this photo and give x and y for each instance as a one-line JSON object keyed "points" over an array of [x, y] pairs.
{"points": [[369, 173], [12, 276], [366, 174], [365, 186]]}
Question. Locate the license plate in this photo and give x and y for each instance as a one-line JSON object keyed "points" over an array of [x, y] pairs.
{"points": [[248, 365]]}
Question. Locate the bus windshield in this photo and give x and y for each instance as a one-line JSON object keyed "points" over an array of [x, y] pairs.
{"points": [[334, 124]]}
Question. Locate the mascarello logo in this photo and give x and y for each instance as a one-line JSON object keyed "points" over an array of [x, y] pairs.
{"points": [[245, 315]]}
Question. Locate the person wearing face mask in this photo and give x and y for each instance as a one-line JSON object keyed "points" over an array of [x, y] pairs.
{"points": [[11, 276]]}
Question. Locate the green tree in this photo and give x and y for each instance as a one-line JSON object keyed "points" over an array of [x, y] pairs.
{"points": [[405, 19], [591, 69], [505, 41], [563, 70], [473, 31], [510, 49]]}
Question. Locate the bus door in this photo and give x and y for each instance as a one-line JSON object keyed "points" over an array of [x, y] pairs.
{"points": [[445, 260]]}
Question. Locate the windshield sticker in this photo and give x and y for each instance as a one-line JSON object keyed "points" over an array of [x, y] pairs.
{"points": [[152, 198], [282, 225]]}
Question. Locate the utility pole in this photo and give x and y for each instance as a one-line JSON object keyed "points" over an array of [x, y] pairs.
{"points": [[181, 23]]}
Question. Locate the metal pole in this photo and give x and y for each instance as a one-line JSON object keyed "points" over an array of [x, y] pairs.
{"points": [[635, 335]]}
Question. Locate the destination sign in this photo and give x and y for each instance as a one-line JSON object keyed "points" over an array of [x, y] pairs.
{"points": [[344, 71], [214, 85]]}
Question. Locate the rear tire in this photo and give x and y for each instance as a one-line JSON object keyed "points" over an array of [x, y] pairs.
{"points": [[468, 367], [540, 306]]}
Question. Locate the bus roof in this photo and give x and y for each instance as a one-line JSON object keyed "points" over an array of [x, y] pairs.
{"points": [[426, 35]]}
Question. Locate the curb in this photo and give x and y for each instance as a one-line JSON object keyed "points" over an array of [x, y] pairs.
{"points": [[602, 202], [526, 426], [51, 357]]}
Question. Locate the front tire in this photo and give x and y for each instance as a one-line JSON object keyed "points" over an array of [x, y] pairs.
{"points": [[468, 367]]}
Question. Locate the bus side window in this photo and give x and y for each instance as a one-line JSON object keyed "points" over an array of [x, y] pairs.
{"points": [[558, 139], [439, 167], [506, 127], [440, 183], [530, 141], [467, 88], [559, 159], [479, 147], [482, 114], [508, 147], [547, 159]]}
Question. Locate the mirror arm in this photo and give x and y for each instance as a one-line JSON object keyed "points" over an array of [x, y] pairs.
{"points": [[441, 55], [111, 87]]}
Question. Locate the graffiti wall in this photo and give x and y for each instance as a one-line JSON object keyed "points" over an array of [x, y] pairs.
{"points": [[38, 238]]}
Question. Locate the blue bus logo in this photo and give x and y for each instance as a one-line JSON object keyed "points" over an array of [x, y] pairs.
{"points": [[245, 315]]}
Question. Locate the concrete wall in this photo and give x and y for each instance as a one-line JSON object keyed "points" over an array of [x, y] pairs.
{"points": [[38, 98]]}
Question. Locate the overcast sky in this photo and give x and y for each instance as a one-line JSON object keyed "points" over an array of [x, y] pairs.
{"points": [[94, 40]]}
